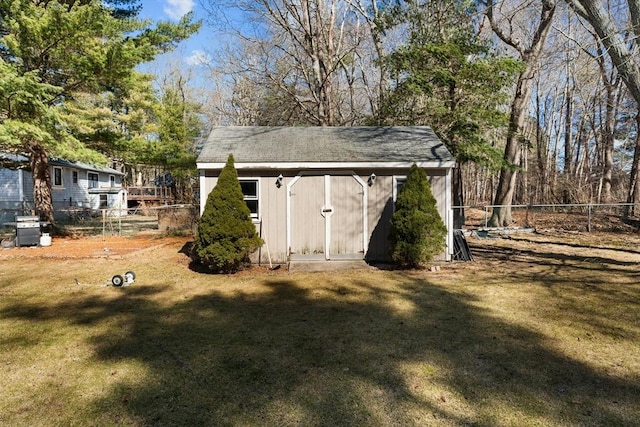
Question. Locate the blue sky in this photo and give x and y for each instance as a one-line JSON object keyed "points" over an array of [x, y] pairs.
{"points": [[191, 51]]}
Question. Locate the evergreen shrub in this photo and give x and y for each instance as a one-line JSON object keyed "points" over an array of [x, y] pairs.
{"points": [[417, 232], [226, 235]]}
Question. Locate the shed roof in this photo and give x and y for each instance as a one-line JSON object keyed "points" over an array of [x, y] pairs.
{"points": [[383, 145]]}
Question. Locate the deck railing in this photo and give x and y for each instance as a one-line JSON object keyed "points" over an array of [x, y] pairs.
{"points": [[148, 193]]}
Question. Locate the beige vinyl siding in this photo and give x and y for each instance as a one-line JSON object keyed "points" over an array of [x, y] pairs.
{"points": [[380, 209], [207, 185], [273, 219], [307, 224], [346, 221], [327, 213], [439, 189], [438, 180]]}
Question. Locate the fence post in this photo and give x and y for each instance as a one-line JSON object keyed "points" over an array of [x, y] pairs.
{"points": [[589, 220], [486, 216]]}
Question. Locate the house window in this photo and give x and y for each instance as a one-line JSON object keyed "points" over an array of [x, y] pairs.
{"points": [[93, 179], [74, 177], [103, 201], [251, 195], [398, 183], [112, 180], [57, 177]]}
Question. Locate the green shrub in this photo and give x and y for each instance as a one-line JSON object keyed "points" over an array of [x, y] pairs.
{"points": [[417, 232], [226, 235]]}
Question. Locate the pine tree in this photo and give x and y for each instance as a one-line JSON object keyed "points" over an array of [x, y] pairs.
{"points": [[53, 56], [226, 235], [179, 126], [417, 231], [448, 77]]}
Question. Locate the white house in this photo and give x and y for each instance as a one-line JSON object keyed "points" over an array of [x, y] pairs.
{"points": [[74, 185]]}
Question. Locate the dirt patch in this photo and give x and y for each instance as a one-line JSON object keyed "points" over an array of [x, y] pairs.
{"points": [[93, 246]]}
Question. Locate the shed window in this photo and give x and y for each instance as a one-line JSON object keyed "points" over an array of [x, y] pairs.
{"points": [[112, 180], [250, 189], [104, 204], [57, 177], [93, 179], [398, 183], [74, 177]]}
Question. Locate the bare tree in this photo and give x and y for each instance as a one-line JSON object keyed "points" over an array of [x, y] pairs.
{"points": [[634, 187], [618, 32], [598, 92], [529, 53], [306, 58], [375, 15], [623, 55]]}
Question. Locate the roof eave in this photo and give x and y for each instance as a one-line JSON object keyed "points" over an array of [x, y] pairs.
{"points": [[428, 164]]}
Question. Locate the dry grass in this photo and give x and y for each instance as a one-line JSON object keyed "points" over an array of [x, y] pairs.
{"points": [[537, 331]]}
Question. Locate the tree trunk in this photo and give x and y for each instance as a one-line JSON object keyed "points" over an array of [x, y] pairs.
{"points": [[501, 215], [524, 177], [624, 59], [542, 155], [39, 162], [370, 11], [607, 168], [634, 185], [568, 135], [317, 29]]}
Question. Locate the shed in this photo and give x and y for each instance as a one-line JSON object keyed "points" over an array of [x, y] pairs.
{"points": [[327, 193]]}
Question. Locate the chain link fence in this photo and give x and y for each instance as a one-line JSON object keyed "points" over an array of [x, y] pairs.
{"points": [[79, 221], [584, 217], [181, 219]]}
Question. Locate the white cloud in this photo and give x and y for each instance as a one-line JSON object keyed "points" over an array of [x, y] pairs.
{"points": [[198, 57], [176, 9]]}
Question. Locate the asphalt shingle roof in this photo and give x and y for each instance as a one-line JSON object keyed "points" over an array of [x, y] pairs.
{"points": [[17, 159], [262, 144]]}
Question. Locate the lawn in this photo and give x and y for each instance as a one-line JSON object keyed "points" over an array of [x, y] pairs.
{"points": [[539, 330]]}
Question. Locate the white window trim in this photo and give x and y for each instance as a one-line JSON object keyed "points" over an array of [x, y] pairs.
{"points": [[255, 217], [89, 180], [397, 178], [53, 180], [112, 180]]}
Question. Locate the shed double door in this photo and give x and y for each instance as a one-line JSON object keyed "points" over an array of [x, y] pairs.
{"points": [[327, 217]]}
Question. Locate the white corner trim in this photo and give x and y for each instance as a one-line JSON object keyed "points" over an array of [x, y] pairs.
{"points": [[329, 165], [365, 212], [326, 205], [203, 196], [289, 186]]}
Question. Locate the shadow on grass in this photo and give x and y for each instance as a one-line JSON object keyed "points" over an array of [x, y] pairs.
{"points": [[570, 244], [349, 352], [542, 257], [584, 289]]}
